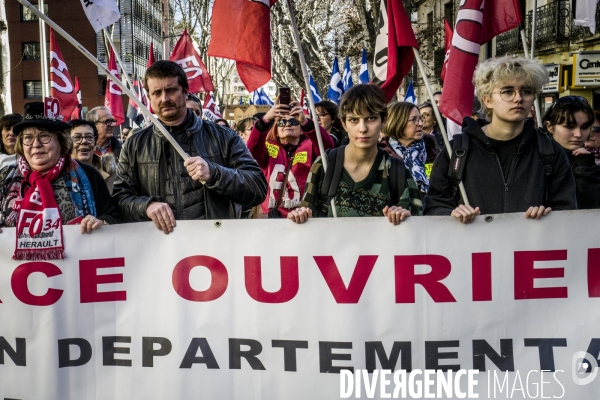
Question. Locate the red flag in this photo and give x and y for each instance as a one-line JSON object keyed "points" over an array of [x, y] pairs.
{"points": [[186, 55], [241, 31], [210, 111], [447, 46], [133, 111], [477, 26], [112, 98], [78, 110], [61, 85], [393, 48], [150, 56]]}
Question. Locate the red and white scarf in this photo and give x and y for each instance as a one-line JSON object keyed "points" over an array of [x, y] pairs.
{"points": [[39, 225]]}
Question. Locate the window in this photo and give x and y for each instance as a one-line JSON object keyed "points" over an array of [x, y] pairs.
{"points": [[31, 50], [449, 13], [28, 15], [32, 89]]}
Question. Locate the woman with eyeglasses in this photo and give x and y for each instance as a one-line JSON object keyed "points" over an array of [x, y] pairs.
{"points": [[49, 189], [284, 143], [329, 119], [84, 135], [503, 161], [569, 122], [403, 132]]}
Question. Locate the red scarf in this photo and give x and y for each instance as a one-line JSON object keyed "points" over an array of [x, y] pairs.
{"points": [[39, 225]]}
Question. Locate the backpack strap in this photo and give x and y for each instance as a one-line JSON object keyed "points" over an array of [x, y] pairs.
{"points": [[547, 153], [460, 150], [331, 181], [397, 180]]}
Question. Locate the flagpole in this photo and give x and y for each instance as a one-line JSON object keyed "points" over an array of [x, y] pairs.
{"points": [[43, 54], [536, 101], [533, 23], [309, 93], [118, 82], [438, 116], [118, 57]]}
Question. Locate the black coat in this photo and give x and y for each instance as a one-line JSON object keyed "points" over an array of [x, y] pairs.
{"points": [[484, 180], [150, 170], [587, 177]]}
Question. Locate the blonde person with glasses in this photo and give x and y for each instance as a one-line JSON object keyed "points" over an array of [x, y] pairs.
{"points": [[83, 135], [509, 165], [49, 189]]}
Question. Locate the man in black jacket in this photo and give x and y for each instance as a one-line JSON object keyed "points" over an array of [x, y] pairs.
{"points": [[153, 181], [504, 168]]}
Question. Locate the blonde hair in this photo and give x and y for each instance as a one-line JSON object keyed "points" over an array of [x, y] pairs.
{"points": [[397, 119], [490, 73]]}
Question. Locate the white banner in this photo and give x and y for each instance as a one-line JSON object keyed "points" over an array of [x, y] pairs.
{"points": [[267, 309]]}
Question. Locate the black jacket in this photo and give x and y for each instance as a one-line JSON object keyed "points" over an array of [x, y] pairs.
{"points": [[151, 170], [484, 180], [587, 177], [116, 145]]}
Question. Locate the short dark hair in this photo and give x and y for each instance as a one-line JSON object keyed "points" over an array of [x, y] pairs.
{"points": [[243, 123], [191, 97], [222, 120], [10, 120], [166, 69], [82, 122], [367, 98], [438, 92], [563, 110], [7, 122]]}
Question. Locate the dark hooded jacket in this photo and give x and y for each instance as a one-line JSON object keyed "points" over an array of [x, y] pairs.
{"points": [[587, 177], [151, 170], [484, 180]]}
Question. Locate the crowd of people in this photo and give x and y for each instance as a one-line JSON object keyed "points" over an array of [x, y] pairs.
{"points": [[382, 160]]}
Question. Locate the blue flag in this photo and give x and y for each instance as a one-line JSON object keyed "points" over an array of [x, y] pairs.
{"points": [[336, 88], [410, 94], [363, 77], [315, 92], [347, 76], [260, 98]]}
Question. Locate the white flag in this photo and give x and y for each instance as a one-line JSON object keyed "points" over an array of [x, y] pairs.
{"points": [[101, 13], [585, 13]]}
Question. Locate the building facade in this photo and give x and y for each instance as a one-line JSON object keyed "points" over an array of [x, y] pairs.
{"points": [[141, 23], [570, 53]]}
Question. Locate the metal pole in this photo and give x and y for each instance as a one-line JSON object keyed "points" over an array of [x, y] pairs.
{"points": [[118, 82], [311, 99], [536, 102], [118, 57], [533, 20], [43, 54], [438, 116]]}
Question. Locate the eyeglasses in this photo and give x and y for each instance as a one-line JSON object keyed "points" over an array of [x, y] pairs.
{"points": [[77, 139], [284, 122], [44, 138], [416, 120], [322, 115], [509, 94], [109, 122]]}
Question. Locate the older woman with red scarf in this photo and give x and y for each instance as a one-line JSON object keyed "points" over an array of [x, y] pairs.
{"points": [[284, 143], [48, 188]]}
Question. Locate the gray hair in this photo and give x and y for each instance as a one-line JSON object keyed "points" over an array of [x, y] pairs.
{"points": [[93, 116]]}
